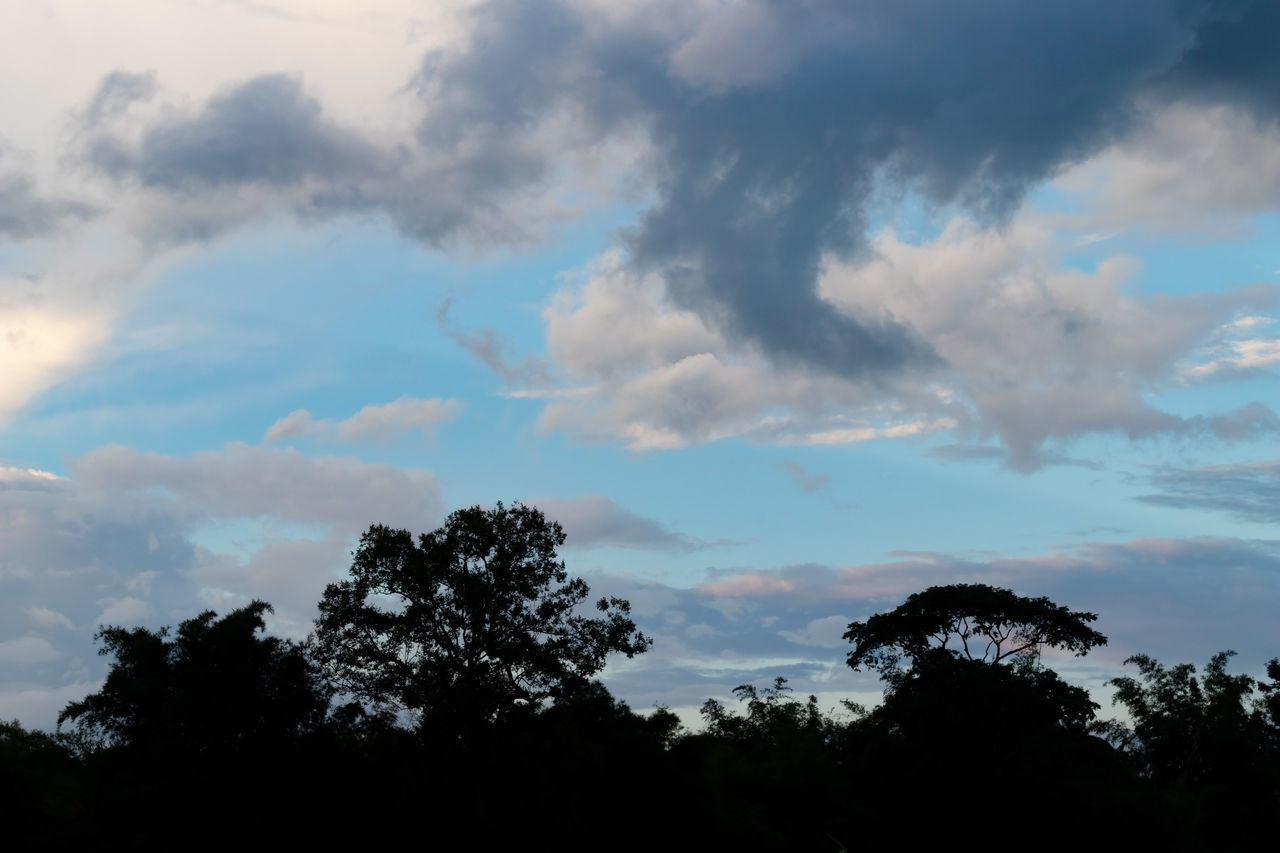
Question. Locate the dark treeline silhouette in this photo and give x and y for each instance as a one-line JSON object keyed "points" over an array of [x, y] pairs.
{"points": [[446, 699]]}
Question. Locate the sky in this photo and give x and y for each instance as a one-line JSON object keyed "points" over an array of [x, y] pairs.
{"points": [[784, 310]]}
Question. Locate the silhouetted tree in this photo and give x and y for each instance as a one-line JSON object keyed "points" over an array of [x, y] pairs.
{"points": [[42, 801], [211, 719], [215, 686], [967, 697], [476, 619], [974, 622], [1189, 729], [1207, 743]]}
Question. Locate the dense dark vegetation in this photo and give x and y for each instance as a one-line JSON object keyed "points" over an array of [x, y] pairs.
{"points": [[446, 699]]}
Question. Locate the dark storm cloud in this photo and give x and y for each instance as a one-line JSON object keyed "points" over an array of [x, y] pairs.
{"points": [[1234, 58], [775, 124], [1248, 491], [771, 128]]}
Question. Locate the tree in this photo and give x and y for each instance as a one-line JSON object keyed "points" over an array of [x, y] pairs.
{"points": [[1206, 742], [215, 687], [973, 622], [974, 704], [1189, 729], [477, 618], [213, 718]]}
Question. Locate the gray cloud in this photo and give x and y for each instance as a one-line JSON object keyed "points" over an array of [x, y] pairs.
{"points": [[1248, 491], [266, 144], [24, 212], [1234, 56], [248, 482], [767, 131], [803, 479], [133, 538], [773, 126], [267, 130], [116, 92], [596, 520], [1251, 421], [1176, 599]]}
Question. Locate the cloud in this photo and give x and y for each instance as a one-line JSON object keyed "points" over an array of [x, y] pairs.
{"points": [[1248, 491], [373, 422], [46, 618], [27, 650], [803, 479], [296, 424], [290, 574], [29, 479], [596, 521], [397, 417], [772, 130], [123, 611], [39, 346], [1239, 349], [1175, 599], [1037, 353], [763, 136], [266, 146], [133, 538], [266, 130], [24, 213], [248, 482], [1188, 168]]}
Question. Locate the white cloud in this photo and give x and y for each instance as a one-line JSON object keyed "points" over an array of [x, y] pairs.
{"points": [[1035, 351], [397, 417], [46, 618], [373, 422], [26, 651], [31, 479], [123, 611], [296, 424], [1188, 168]]}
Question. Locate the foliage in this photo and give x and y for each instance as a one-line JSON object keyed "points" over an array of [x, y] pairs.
{"points": [[1208, 743], [772, 716], [477, 618], [1189, 729], [215, 686], [973, 622]]}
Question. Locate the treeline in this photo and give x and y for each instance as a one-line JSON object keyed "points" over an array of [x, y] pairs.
{"points": [[446, 699]]}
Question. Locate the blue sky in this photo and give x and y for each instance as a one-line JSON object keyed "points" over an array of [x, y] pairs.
{"points": [[784, 310]]}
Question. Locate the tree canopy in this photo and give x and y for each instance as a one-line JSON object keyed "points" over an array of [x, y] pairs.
{"points": [[973, 622], [214, 685], [474, 619]]}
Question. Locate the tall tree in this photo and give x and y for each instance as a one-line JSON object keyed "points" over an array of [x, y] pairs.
{"points": [[474, 620]]}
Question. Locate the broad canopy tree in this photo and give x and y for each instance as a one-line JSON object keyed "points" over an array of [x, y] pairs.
{"points": [[473, 620], [974, 654], [973, 622]]}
